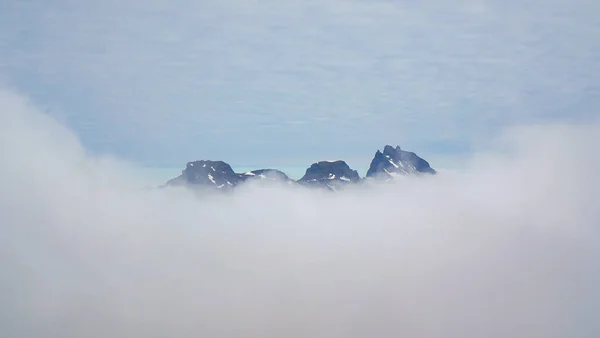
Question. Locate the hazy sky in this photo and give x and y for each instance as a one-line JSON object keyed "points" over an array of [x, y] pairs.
{"points": [[291, 82]]}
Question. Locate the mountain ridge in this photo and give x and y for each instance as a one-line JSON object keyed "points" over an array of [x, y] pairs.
{"points": [[330, 175]]}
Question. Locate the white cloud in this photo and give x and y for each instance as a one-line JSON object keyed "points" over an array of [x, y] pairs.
{"points": [[162, 76], [506, 248]]}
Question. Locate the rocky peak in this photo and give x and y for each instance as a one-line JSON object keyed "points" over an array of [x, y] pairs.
{"points": [[395, 161], [329, 174], [389, 150], [217, 174]]}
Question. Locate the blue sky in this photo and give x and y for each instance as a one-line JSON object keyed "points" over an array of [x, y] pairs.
{"points": [[288, 83]]}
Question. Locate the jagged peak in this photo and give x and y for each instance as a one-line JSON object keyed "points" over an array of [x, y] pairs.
{"points": [[396, 160], [388, 150]]}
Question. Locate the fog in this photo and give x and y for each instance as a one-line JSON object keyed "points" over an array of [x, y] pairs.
{"points": [[508, 247]]}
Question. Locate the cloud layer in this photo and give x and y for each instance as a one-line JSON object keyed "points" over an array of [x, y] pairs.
{"points": [[507, 248]]}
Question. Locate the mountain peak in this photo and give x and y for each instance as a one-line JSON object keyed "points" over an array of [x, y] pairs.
{"points": [[216, 166], [220, 175], [389, 150], [206, 173], [329, 174], [395, 161]]}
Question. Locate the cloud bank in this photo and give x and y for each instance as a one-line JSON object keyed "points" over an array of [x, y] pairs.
{"points": [[507, 248]]}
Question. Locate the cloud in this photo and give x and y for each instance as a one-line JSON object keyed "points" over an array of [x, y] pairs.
{"points": [[506, 248], [157, 76]]}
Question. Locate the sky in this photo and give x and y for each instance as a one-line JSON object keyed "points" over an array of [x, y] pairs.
{"points": [[288, 83], [507, 247]]}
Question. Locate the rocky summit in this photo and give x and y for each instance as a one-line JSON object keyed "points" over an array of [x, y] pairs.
{"points": [[220, 175], [331, 175], [213, 174], [395, 161]]}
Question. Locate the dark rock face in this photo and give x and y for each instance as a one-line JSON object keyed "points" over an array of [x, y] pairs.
{"points": [[213, 174], [397, 161], [329, 175]]}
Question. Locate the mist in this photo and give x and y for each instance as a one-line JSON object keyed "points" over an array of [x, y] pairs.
{"points": [[508, 247]]}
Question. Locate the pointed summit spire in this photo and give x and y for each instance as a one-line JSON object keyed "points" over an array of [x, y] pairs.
{"points": [[388, 150], [397, 162]]}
